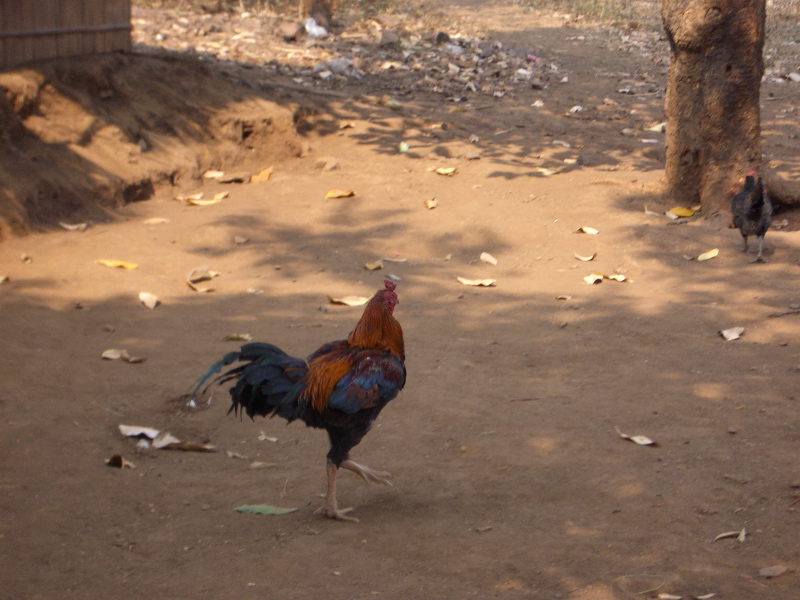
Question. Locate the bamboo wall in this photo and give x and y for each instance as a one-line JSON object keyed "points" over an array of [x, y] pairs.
{"points": [[41, 29]]}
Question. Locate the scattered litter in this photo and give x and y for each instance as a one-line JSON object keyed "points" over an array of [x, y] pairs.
{"points": [[488, 258], [262, 176], [589, 230], [446, 171], [198, 274], [432, 203], [584, 258], [708, 255]]}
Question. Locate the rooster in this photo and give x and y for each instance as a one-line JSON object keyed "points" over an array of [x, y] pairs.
{"points": [[752, 212], [342, 387]]}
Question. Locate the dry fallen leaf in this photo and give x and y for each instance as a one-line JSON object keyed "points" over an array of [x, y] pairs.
{"points": [[589, 230], [213, 174], [119, 462], [262, 176], [636, 439], [238, 240], [734, 333], [4, 278], [374, 266], [339, 194], [238, 337], [446, 171], [547, 172], [189, 197], [488, 258], [680, 212], [76, 227], [432, 203], [477, 282], [149, 300], [584, 258], [769, 572], [593, 278], [264, 509], [155, 221], [669, 597], [739, 535], [221, 196], [651, 213], [137, 431], [198, 274], [708, 255], [349, 300], [116, 354], [118, 264]]}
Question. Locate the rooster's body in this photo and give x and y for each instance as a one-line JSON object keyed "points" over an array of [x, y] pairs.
{"points": [[342, 387], [752, 212]]}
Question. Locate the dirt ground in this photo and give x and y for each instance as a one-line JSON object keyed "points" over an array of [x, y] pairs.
{"points": [[511, 480]]}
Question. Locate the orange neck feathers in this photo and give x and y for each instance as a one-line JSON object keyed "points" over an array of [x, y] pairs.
{"points": [[378, 328]]}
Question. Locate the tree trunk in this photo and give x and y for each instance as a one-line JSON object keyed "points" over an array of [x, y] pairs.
{"points": [[712, 104]]}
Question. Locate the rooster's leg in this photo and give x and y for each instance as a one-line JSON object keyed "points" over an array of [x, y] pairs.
{"points": [[367, 474], [760, 257], [331, 508]]}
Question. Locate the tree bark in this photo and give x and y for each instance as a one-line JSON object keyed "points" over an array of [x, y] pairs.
{"points": [[712, 103]]}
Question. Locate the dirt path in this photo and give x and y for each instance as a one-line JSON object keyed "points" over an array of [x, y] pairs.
{"points": [[510, 478]]}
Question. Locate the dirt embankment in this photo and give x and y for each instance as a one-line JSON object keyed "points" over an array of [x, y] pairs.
{"points": [[81, 136]]}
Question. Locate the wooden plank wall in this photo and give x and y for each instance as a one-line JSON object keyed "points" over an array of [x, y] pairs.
{"points": [[40, 29]]}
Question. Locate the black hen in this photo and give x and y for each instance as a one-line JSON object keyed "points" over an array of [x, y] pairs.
{"points": [[752, 212]]}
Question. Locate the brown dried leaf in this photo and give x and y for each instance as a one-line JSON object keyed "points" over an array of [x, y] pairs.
{"points": [[262, 176], [119, 462], [117, 264]]}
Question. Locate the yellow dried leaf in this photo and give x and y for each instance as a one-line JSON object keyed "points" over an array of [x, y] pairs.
{"points": [[488, 258], [477, 282], [584, 258], [374, 266], [262, 176], [215, 200], [593, 278], [221, 196], [118, 264], [115, 354], [155, 221], [432, 203], [547, 172], [213, 174], [617, 277], [349, 300], [446, 171], [680, 212], [332, 194], [739, 535], [238, 337], [708, 255]]}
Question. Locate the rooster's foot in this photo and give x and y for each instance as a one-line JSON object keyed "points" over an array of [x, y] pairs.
{"points": [[366, 473], [340, 514]]}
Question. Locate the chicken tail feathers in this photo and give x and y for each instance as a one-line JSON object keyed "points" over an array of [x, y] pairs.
{"points": [[267, 383]]}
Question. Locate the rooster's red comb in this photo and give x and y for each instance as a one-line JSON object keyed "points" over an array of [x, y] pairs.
{"points": [[389, 285]]}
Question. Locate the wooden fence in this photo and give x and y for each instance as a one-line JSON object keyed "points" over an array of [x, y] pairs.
{"points": [[41, 29]]}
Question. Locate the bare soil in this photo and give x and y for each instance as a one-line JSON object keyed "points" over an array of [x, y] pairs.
{"points": [[511, 480]]}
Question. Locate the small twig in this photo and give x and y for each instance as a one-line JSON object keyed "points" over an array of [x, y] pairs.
{"points": [[784, 313]]}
